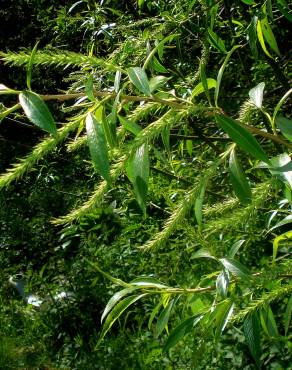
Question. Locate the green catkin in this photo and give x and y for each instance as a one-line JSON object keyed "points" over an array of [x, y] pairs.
{"points": [[266, 299], [56, 58], [42, 149]]}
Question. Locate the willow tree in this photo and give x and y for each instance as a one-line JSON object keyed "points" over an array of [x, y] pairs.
{"points": [[181, 93]]}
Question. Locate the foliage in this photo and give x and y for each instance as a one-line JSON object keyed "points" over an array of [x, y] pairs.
{"points": [[168, 178]]}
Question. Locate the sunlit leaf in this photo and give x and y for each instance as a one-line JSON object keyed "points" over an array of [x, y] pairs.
{"points": [[116, 312], [199, 89], [220, 73], [242, 137], [283, 237], [261, 38], [269, 36], [37, 111], [256, 95], [30, 66], [222, 283], [139, 79], [137, 168], [131, 126], [97, 146], [238, 179], [236, 268]]}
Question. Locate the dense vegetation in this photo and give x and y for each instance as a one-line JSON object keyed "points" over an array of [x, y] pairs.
{"points": [[146, 184]]}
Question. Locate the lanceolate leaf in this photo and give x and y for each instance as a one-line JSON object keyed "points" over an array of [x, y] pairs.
{"points": [[30, 66], [251, 328], [236, 268], [242, 137], [163, 317], [223, 315], [130, 125], [285, 126], [235, 247], [148, 282], [268, 322], [256, 94], [137, 168], [139, 78], [181, 330], [220, 73], [261, 38], [115, 299], [199, 89], [269, 36], [238, 179], [116, 313], [37, 111], [97, 146], [222, 283], [216, 41], [283, 237], [287, 315], [252, 36]]}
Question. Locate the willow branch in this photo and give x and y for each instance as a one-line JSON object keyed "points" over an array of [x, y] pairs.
{"points": [[103, 94]]}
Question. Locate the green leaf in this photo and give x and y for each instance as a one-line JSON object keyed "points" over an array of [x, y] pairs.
{"points": [[252, 37], [203, 253], [148, 282], [222, 283], [115, 299], [199, 89], [248, 2], [89, 88], [30, 66], [236, 268], [164, 317], [116, 313], [157, 66], [269, 36], [220, 73], [256, 95], [251, 329], [281, 166], [223, 313], [37, 111], [97, 146], [130, 125], [181, 330], [280, 103], [216, 41], [284, 9], [238, 179], [118, 76], [156, 82], [153, 313], [285, 221], [137, 168], [261, 39], [242, 137], [268, 322], [286, 236], [235, 247], [287, 315], [285, 126], [139, 79]]}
